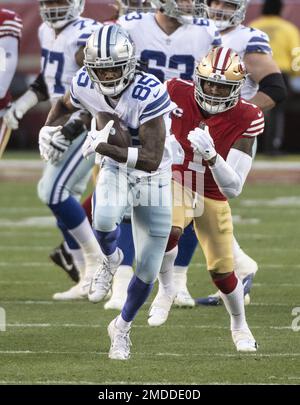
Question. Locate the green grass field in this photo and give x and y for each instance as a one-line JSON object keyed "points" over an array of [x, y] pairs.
{"points": [[48, 342]]}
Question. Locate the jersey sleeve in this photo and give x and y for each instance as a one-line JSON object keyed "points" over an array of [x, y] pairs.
{"points": [[214, 34], [157, 103], [255, 123], [84, 29], [258, 42], [130, 20], [81, 79], [10, 24]]}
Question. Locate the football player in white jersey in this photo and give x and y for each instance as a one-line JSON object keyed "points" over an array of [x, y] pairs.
{"points": [[264, 87], [62, 36], [169, 44], [139, 175]]}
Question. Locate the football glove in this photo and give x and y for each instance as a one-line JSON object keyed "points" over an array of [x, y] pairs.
{"points": [[202, 143], [58, 146], [95, 137], [19, 108]]}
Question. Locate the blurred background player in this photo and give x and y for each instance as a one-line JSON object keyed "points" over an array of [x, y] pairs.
{"points": [[62, 36], [264, 87], [216, 129], [10, 36], [284, 40], [168, 44]]}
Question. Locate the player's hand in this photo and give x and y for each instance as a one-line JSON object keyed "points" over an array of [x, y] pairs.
{"points": [[58, 146], [19, 108], [95, 137], [12, 116], [202, 142], [45, 137]]}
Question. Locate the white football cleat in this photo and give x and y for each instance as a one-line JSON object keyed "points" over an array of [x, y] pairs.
{"points": [[244, 340], [184, 299], [120, 342], [103, 278], [159, 310], [74, 293]]}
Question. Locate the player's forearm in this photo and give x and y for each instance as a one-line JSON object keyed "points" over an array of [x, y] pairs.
{"points": [[263, 101], [116, 153], [147, 161], [230, 175], [59, 112]]}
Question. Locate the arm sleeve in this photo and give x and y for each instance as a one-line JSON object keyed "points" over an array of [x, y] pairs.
{"points": [[9, 46], [230, 175]]}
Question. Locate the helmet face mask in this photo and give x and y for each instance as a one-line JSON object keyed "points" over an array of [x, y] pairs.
{"points": [[178, 9], [57, 13], [229, 13], [222, 69], [111, 50]]}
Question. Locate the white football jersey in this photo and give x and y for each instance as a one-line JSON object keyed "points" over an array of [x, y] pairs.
{"points": [[144, 99], [170, 56], [58, 63], [247, 40]]}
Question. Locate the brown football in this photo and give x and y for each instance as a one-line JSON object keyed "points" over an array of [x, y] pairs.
{"points": [[119, 135]]}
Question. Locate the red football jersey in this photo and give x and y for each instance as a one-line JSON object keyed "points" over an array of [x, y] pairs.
{"points": [[243, 120], [10, 26]]}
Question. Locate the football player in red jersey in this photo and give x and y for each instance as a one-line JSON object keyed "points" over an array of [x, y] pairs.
{"points": [[216, 130], [10, 35]]}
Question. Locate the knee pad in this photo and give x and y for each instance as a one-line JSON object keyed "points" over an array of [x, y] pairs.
{"points": [[173, 238]]}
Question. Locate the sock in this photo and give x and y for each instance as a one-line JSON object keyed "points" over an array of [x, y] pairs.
{"points": [[232, 294], [89, 245], [78, 259], [70, 242], [121, 324], [137, 294], [125, 243], [109, 240], [236, 248], [165, 276], [87, 206], [121, 281], [180, 277], [186, 247]]}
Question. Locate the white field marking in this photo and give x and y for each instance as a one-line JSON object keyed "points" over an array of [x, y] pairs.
{"points": [[274, 165], [76, 382], [25, 248], [28, 282], [40, 234], [22, 210], [30, 221], [21, 164], [144, 354], [28, 264], [238, 220], [30, 302], [291, 201], [77, 325], [275, 285], [260, 265]]}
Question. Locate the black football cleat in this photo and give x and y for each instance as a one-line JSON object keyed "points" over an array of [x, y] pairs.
{"points": [[64, 260]]}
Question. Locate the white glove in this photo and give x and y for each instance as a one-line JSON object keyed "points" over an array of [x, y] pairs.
{"points": [[58, 146], [19, 108], [45, 137], [202, 142], [94, 137]]}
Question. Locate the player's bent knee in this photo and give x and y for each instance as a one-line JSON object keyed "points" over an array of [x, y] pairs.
{"points": [[43, 192], [221, 266], [174, 237]]}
